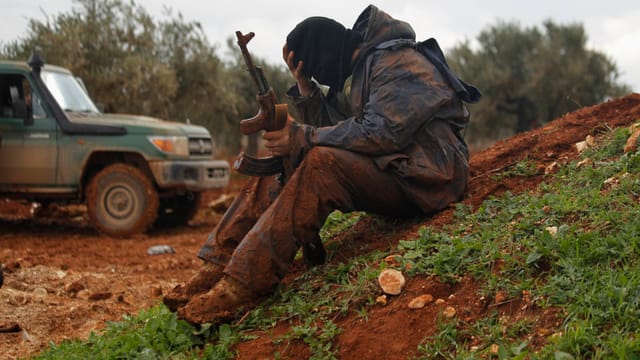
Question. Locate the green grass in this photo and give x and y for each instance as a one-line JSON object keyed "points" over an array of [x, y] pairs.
{"points": [[588, 271]]}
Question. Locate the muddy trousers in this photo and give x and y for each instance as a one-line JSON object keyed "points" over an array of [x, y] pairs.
{"points": [[261, 232]]}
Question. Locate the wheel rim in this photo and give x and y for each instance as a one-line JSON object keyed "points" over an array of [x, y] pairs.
{"points": [[120, 202]]}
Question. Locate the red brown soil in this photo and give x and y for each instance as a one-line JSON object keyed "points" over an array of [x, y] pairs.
{"points": [[63, 280]]}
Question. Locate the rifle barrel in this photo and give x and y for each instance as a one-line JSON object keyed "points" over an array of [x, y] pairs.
{"points": [[255, 71]]}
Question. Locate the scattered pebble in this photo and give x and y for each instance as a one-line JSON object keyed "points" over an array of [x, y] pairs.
{"points": [[83, 294], [392, 260], [160, 249], [584, 162], [39, 294], [381, 300], [420, 301], [449, 312], [551, 168], [391, 281], [590, 140]]}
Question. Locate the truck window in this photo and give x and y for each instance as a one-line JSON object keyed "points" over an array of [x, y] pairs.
{"points": [[16, 97]]}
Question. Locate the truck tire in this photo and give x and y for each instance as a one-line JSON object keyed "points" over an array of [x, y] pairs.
{"points": [[121, 201], [178, 210]]}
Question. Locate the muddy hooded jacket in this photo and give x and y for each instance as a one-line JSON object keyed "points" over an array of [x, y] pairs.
{"points": [[397, 108]]}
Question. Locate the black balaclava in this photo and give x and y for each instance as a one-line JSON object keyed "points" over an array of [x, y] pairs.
{"points": [[325, 48]]}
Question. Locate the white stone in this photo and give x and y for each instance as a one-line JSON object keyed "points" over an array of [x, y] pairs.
{"points": [[391, 281]]}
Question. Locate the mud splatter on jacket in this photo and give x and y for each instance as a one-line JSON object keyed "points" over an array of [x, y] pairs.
{"points": [[399, 110]]}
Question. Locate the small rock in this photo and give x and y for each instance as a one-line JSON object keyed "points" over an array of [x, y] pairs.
{"points": [[612, 182], [552, 230], [18, 298], [440, 301], [381, 300], [420, 301], [551, 168], [590, 140], [581, 146], [501, 296], [584, 162], [83, 294], [39, 294], [391, 281], [449, 312], [392, 260], [494, 349], [160, 249]]}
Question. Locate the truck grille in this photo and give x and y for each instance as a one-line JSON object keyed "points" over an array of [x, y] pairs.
{"points": [[200, 146]]}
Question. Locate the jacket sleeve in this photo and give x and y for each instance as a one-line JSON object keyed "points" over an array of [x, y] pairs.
{"points": [[404, 92], [314, 110]]}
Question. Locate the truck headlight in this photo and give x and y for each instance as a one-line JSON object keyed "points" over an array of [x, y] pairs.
{"points": [[177, 145]]}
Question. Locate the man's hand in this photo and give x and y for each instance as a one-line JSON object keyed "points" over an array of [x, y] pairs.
{"points": [[304, 83], [277, 141]]}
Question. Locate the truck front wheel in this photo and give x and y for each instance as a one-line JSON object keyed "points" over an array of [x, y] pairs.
{"points": [[121, 201]]}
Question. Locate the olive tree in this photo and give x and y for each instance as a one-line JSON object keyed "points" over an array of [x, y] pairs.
{"points": [[529, 76]]}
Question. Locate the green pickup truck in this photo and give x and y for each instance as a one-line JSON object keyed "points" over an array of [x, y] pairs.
{"points": [[131, 171]]}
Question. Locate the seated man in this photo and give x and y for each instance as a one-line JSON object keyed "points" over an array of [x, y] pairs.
{"points": [[386, 138]]}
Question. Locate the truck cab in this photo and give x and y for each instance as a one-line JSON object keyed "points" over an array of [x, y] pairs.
{"points": [[131, 171]]}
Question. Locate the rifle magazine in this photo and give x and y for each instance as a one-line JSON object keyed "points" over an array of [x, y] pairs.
{"points": [[258, 166]]}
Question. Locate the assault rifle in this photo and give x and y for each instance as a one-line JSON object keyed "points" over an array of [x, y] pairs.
{"points": [[271, 116]]}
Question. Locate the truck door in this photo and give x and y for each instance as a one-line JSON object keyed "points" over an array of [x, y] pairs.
{"points": [[28, 152]]}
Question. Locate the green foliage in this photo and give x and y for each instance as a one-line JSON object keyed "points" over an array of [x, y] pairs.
{"points": [[529, 76], [338, 222], [153, 333], [132, 63], [587, 266]]}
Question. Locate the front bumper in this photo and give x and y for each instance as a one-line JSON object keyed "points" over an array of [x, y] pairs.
{"points": [[191, 175]]}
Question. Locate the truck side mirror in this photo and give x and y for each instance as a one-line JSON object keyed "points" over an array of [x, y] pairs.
{"points": [[28, 117], [21, 110]]}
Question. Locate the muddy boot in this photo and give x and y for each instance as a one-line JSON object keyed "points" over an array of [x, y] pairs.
{"points": [[220, 304], [201, 282]]}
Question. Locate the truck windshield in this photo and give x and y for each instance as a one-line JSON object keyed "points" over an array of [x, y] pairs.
{"points": [[68, 92]]}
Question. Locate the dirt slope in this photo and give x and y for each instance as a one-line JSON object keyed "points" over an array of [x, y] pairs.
{"points": [[62, 280]]}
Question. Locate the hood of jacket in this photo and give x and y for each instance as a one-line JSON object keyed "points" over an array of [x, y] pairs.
{"points": [[376, 26]]}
